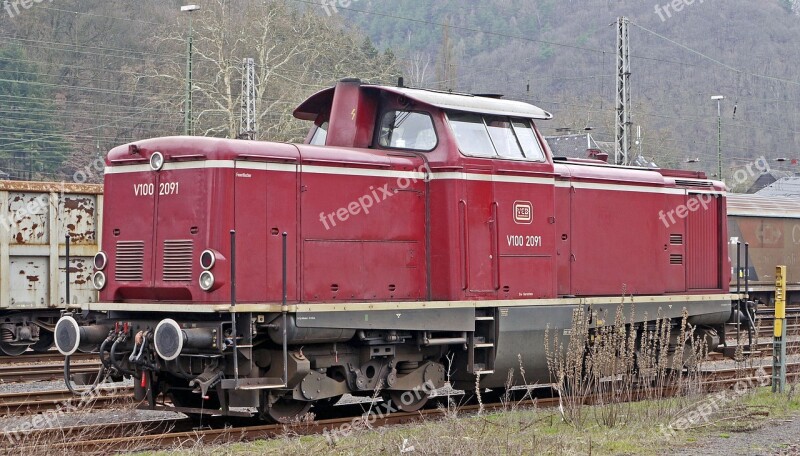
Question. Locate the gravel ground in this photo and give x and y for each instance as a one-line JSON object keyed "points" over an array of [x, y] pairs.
{"points": [[54, 420], [29, 387], [778, 437]]}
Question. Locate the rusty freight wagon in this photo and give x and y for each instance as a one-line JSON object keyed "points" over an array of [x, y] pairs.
{"points": [[36, 218], [771, 227]]}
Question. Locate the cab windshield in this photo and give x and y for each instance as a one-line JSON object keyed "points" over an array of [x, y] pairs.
{"points": [[495, 136]]}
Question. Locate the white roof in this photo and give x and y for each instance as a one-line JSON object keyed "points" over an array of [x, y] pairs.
{"points": [[471, 103], [744, 205]]}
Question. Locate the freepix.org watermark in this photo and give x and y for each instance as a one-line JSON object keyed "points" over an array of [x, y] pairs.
{"points": [[366, 420], [332, 6], [53, 419], [702, 412], [703, 200], [15, 7], [675, 6], [374, 196]]}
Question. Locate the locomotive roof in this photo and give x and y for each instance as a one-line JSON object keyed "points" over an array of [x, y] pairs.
{"points": [[315, 104], [763, 206]]}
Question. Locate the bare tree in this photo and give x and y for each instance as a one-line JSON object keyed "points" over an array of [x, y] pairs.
{"points": [[417, 68], [296, 52]]}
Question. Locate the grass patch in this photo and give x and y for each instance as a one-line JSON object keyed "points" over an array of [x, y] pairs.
{"points": [[529, 430]]}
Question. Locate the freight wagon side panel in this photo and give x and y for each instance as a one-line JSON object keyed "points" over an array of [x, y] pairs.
{"points": [[773, 241], [38, 216]]}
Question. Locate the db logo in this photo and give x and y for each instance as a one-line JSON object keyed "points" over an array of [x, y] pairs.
{"points": [[523, 212]]}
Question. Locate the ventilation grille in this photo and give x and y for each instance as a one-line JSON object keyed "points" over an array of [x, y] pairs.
{"points": [[129, 264], [178, 258], [696, 184], [676, 259], [676, 239]]}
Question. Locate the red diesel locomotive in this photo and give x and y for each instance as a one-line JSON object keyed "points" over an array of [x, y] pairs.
{"points": [[411, 225]]}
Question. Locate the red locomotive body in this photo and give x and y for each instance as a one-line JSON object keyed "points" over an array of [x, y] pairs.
{"points": [[411, 225]]}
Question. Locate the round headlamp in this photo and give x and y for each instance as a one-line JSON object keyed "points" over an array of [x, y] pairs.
{"points": [[206, 280], [207, 259], [99, 280], [156, 161], [100, 261]]}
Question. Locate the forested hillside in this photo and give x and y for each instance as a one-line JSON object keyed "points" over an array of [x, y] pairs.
{"points": [[560, 54], [78, 77]]}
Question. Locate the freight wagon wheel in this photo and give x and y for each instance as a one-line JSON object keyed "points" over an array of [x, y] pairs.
{"points": [[12, 350], [286, 409], [408, 401], [45, 343]]}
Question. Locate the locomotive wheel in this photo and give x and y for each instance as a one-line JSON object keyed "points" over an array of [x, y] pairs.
{"points": [[12, 350], [45, 343], [286, 409], [408, 401]]}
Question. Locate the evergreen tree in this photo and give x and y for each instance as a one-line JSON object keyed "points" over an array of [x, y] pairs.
{"points": [[29, 138]]}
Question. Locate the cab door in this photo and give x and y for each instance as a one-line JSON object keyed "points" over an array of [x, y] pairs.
{"points": [[266, 207], [479, 221]]}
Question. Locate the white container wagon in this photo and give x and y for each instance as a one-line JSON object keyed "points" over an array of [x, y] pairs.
{"points": [[35, 219]]}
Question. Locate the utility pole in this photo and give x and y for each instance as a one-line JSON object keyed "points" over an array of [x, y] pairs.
{"points": [[188, 120], [718, 99], [248, 127], [447, 73], [623, 121]]}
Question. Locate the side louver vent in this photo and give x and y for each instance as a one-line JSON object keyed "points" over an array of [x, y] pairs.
{"points": [[129, 261], [695, 184], [676, 239], [676, 259]]}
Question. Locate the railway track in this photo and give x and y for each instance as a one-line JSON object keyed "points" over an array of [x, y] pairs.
{"points": [[761, 350], [32, 358], [49, 357], [126, 436], [148, 436], [42, 401], [14, 373]]}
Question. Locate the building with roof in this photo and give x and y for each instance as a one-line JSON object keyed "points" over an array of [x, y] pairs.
{"points": [[583, 145], [784, 187]]}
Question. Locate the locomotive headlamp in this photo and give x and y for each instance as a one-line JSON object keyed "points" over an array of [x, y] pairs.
{"points": [[156, 161], [206, 280], [99, 280], [207, 259], [100, 261]]}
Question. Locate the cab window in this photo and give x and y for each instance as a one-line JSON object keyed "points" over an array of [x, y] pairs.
{"points": [[528, 140], [495, 136], [408, 130], [503, 138], [471, 134]]}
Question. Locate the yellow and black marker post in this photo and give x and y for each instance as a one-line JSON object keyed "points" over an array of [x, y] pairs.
{"points": [[779, 344]]}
